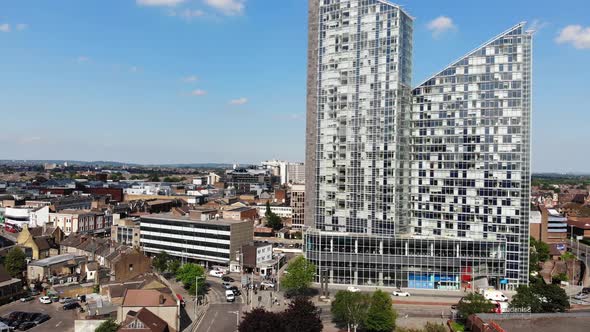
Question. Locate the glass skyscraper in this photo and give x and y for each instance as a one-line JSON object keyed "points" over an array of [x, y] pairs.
{"points": [[422, 188]]}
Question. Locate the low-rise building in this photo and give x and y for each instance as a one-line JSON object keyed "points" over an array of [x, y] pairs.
{"points": [[241, 213], [67, 265], [255, 254], [10, 288], [42, 242], [213, 241], [126, 231], [298, 205], [280, 210], [162, 305], [82, 221], [143, 321]]}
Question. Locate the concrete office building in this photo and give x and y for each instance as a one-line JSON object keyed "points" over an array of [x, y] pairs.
{"points": [[212, 241], [421, 188]]}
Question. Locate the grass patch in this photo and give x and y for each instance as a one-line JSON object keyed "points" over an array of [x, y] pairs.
{"points": [[457, 327]]}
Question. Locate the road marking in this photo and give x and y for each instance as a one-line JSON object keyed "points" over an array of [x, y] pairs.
{"points": [[58, 324], [212, 321]]}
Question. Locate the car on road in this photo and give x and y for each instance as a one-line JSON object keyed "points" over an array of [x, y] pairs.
{"points": [[353, 289], [586, 290], [236, 290], [27, 299], [71, 305], [45, 300], [400, 293], [229, 296], [581, 296], [41, 318], [226, 285], [267, 284], [227, 279], [216, 273], [26, 325]]}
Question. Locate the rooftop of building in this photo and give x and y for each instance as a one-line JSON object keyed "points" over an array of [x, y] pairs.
{"points": [[583, 223], [45, 262], [148, 298], [240, 209], [150, 321], [187, 218]]}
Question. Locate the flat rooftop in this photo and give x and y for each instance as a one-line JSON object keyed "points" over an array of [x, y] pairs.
{"points": [[187, 218]]}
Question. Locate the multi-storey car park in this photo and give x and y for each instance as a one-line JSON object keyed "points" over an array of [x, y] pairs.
{"points": [[422, 188]]}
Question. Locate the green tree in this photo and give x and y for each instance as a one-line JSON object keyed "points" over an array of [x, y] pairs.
{"points": [[299, 276], [540, 298], [435, 327], [154, 177], [160, 262], [558, 278], [15, 262], [380, 315], [188, 273], [350, 308], [274, 221], [302, 315], [268, 211], [474, 303], [173, 266], [260, 320], [107, 326]]}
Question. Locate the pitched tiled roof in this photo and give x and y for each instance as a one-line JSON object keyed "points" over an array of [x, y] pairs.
{"points": [[148, 298], [151, 322]]}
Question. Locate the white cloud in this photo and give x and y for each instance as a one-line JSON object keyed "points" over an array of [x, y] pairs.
{"points": [[159, 2], [21, 26], [5, 27], [228, 7], [198, 92], [134, 69], [537, 25], [83, 59], [190, 79], [189, 14], [441, 25], [239, 101], [29, 140], [576, 35]]}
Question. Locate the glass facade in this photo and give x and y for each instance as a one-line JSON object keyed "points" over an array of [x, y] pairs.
{"points": [[422, 188], [470, 167]]}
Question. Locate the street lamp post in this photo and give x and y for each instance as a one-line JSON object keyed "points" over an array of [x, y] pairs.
{"points": [[197, 293]]}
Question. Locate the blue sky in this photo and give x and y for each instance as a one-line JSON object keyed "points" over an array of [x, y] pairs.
{"points": [[168, 81]]}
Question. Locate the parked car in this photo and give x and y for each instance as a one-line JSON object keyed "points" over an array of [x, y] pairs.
{"points": [[353, 289], [71, 305], [586, 290], [64, 299], [54, 298], [216, 273], [227, 279], [41, 318], [267, 284], [69, 300], [26, 325], [226, 285], [27, 299], [400, 293], [45, 300], [30, 316], [581, 296]]}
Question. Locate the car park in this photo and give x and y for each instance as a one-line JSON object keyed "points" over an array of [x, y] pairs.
{"points": [[71, 305], [400, 293], [353, 289], [45, 300]]}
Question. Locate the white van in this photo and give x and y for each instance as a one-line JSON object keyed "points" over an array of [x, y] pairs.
{"points": [[229, 295], [494, 295]]}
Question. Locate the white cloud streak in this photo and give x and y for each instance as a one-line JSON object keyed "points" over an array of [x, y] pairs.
{"points": [[21, 26], [576, 35], [239, 101], [440, 25], [169, 3], [82, 59], [198, 92], [5, 27], [228, 7], [190, 79]]}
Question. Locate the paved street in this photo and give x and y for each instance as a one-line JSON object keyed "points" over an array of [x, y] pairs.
{"points": [[221, 317], [61, 320]]}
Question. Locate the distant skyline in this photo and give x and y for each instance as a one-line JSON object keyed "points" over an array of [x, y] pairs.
{"points": [[223, 81]]}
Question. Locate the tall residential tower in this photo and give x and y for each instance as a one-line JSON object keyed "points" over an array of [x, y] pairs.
{"points": [[426, 188]]}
